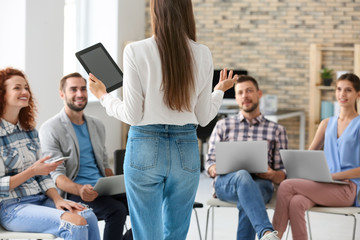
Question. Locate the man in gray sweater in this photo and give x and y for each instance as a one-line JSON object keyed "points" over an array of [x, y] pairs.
{"points": [[82, 138]]}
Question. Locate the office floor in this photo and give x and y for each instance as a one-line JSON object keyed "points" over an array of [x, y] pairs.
{"points": [[324, 226]]}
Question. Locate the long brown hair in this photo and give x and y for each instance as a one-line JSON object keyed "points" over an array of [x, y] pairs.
{"points": [[355, 80], [173, 25], [27, 114]]}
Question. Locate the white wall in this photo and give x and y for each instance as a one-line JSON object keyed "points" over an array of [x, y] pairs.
{"points": [[31, 39], [44, 53], [12, 34], [131, 23]]}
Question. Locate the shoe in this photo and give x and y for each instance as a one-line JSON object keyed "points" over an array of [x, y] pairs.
{"points": [[271, 236]]}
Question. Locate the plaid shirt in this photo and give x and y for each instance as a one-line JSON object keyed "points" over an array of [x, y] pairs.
{"points": [[238, 128], [19, 149]]}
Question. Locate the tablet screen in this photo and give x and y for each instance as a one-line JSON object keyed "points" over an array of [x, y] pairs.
{"points": [[97, 60]]}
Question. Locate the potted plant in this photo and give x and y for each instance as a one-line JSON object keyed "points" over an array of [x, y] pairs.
{"points": [[327, 76]]}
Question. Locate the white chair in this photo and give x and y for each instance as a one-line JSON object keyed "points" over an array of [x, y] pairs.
{"points": [[345, 211], [4, 234], [215, 202], [195, 206]]}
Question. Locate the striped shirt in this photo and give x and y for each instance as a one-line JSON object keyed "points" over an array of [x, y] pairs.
{"points": [[238, 128], [19, 149]]}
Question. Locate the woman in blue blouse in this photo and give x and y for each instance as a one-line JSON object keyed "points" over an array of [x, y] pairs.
{"points": [[340, 137], [29, 201]]}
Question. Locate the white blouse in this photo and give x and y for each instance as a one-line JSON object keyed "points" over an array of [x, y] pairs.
{"points": [[143, 103]]}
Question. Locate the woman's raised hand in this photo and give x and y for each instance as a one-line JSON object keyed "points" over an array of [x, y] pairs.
{"points": [[226, 81]]}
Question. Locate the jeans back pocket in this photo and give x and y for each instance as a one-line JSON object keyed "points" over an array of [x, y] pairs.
{"points": [[144, 152], [189, 154]]}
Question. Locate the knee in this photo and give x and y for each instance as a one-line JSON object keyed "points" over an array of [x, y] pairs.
{"points": [[285, 187], [119, 213], [298, 203], [89, 215], [74, 219], [243, 176]]}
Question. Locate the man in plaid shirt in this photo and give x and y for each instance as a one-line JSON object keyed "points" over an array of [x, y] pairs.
{"points": [[250, 191]]}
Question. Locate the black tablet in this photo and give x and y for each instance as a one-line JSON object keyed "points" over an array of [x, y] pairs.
{"points": [[96, 60]]}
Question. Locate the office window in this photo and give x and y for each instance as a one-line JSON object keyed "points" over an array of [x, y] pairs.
{"points": [[85, 24]]}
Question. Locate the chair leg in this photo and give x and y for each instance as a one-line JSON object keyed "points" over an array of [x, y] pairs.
{"points": [[126, 228], [287, 232], [213, 224], [308, 220], [354, 228], [207, 221], [197, 221]]}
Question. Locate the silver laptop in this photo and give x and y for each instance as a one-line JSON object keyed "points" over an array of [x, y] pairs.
{"points": [[110, 185], [249, 155], [307, 164]]}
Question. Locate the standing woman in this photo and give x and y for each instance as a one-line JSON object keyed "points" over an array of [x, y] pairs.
{"points": [[29, 201], [166, 93], [340, 137]]}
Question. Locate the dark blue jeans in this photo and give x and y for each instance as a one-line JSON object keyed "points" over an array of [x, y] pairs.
{"points": [[113, 209], [251, 194]]}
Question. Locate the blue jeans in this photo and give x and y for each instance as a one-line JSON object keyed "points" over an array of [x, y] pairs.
{"points": [[37, 213], [113, 209], [251, 194], [162, 169]]}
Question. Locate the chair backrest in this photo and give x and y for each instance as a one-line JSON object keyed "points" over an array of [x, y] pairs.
{"points": [[119, 156], [204, 132]]}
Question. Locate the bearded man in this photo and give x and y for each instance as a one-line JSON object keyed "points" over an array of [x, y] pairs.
{"points": [[82, 138], [250, 191]]}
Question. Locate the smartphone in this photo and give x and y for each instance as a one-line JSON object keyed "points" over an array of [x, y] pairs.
{"points": [[57, 159]]}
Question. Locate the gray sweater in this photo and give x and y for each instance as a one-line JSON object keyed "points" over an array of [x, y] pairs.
{"points": [[58, 138]]}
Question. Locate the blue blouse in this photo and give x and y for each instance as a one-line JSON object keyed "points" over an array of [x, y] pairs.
{"points": [[343, 153]]}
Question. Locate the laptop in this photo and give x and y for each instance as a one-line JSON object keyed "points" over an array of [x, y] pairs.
{"points": [[249, 155], [110, 185], [307, 164]]}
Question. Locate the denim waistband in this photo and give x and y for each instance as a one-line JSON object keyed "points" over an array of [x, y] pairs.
{"points": [[165, 129], [31, 198]]}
